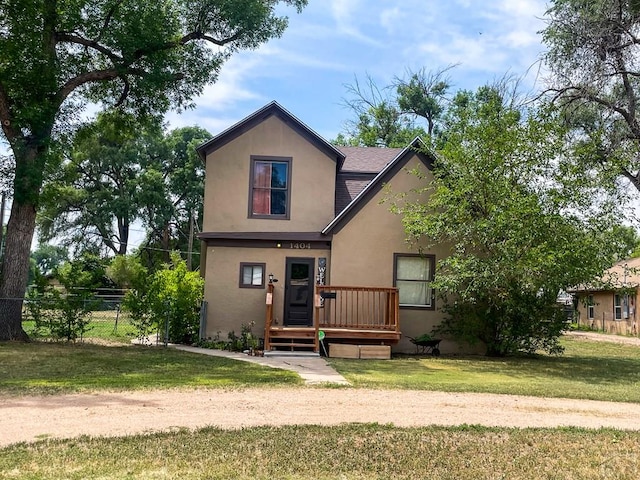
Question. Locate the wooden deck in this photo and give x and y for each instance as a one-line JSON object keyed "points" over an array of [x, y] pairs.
{"points": [[361, 315]]}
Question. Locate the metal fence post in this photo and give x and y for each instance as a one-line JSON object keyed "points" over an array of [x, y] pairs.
{"points": [[166, 332]]}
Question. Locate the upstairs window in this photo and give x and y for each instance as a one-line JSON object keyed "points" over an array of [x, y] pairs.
{"points": [[270, 195], [413, 276]]}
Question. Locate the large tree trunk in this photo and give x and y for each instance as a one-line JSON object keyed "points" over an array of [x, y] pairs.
{"points": [[15, 270]]}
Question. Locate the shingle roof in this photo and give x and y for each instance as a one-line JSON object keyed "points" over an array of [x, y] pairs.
{"points": [[391, 168], [348, 186], [625, 273], [367, 159]]}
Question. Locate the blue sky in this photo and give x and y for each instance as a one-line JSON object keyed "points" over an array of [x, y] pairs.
{"points": [[332, 42]]}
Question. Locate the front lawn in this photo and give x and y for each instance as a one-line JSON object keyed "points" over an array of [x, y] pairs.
{"points": [[47, 368], [587, 370]]}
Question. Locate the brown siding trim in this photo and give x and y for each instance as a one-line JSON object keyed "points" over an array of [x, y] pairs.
{"points": [[259, 116], [278, 236], [298, 246]]}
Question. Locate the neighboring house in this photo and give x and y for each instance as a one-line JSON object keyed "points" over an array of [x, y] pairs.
{"points": [[610, 303], [283, 204]]}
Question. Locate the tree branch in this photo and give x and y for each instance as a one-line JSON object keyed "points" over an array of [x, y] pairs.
{"points": [[78, 40]]}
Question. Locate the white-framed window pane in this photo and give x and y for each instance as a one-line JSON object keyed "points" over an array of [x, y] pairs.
{"points": [[414, 293], [257, 277], [413, 268]]}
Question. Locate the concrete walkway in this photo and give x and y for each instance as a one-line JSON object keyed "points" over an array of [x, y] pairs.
{"points": [[314, 370]]}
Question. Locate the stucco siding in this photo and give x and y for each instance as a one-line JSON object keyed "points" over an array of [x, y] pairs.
{"points": [[363, 253], [229, 306], [604, 317], [227, 187]]}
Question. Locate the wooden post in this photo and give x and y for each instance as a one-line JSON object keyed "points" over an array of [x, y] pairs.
{"points": [[269, 318], [316, 318]]}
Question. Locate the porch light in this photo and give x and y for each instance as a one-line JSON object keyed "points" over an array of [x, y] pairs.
{"points": [[271, 279]]}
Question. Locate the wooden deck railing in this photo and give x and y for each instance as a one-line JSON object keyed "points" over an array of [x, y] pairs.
{"points": [[364, 308]]}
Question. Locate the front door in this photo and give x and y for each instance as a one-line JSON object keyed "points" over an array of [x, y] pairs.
{"points": [[298, 292]]}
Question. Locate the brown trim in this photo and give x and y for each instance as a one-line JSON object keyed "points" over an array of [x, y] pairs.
{"points": [[279, 245], [276, 236], [241, 284], [432, 259], [265, 158], [259, 116]]}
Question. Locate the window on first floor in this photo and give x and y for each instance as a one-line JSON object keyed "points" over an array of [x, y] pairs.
{"points": [[590, 307], [270, 190], [413, 276], [617, 306], [252, 275]]}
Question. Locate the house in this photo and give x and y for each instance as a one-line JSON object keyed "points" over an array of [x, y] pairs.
{"points": [[609, 304], [296, 239]]}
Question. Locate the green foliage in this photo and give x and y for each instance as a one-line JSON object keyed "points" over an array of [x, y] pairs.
{"points": [[389, 120], [173, 295], [517, 234], [591, 57], [379, 121], [49, 257], [126, 271], [144, 57], [58, 315]]}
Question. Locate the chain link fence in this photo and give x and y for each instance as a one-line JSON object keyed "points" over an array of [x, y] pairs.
{"points": [[95, 317]]}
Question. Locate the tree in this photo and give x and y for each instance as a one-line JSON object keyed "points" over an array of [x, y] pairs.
{"points": [[95, 196], [174, 196], [593, 58], [49, 257], [379, 121], [517, 236], [143, 56], [424, 95]]}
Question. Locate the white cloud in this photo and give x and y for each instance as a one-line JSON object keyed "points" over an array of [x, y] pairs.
{"points": [[390, 19], [343, 14]]}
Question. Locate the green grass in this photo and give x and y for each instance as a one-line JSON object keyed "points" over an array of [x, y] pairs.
{"points": [[587, 370], [102, 325], [48, 368], [357, 451]]}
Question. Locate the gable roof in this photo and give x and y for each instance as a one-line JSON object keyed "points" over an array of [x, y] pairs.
{"points": [[271, 109], [416, 147]]}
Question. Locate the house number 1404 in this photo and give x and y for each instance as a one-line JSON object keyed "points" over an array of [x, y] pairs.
{"points": [[300, 245]]}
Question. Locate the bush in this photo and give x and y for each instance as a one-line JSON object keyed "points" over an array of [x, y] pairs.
{"points": [[174, 294]]}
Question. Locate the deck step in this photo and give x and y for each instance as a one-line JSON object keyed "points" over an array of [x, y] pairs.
{"points": [[297, 353], [291, 344]]}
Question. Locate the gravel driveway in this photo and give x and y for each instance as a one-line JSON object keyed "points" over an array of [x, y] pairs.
{"points": [[113, 414]]}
